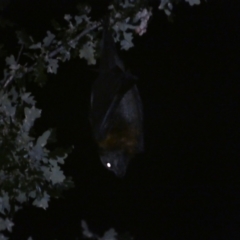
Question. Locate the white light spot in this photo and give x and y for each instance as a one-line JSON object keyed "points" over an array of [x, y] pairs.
{"points": [[108, 165]]}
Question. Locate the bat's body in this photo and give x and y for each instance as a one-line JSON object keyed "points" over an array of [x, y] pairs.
{"points": [[116, 111]]}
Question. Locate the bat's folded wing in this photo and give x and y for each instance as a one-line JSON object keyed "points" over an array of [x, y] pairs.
{"points": [[107, 92]]}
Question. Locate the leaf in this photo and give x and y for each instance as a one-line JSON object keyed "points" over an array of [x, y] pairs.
{"points": [[36, 46], [8, 108], [31, 114], [2, 237], [28, 99], [87, 52], [11, 60], [61, 159], [2, 224], [65, 55], [37, 153], [6, 224], [42, 140], [193, 2], [32, 194], [127, 4], [126, 43], [46, 172], [21, 197], [48, 39], [4, 202], [111, 234], [67, 17], [78, 19], [42, 202], [52, 66], [57, 175], [163, 3], [86, 231]]}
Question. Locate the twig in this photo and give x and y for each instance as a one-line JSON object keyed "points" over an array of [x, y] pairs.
{"points": [[54, 52], [83, 33], [19, 54], [11, 76], [8, 81]]}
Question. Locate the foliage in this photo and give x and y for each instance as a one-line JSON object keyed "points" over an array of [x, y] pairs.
{"points": [[29, 171], [111, 234]]}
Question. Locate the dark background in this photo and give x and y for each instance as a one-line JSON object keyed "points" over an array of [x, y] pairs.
{"points": [[186, 184]]}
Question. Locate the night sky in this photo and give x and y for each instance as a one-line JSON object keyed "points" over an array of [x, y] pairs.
{"points": [[186, 183]]}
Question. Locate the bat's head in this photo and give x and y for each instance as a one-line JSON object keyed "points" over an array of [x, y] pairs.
{"points": [[115, 161]]}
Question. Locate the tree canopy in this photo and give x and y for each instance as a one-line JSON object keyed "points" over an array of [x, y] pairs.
{"points": [[29, 171]]}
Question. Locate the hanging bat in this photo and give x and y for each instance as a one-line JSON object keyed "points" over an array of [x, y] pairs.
{"points": [[116, 110]]}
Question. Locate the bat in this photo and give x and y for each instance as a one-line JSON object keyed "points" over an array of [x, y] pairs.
{"points": [[116, 110]]}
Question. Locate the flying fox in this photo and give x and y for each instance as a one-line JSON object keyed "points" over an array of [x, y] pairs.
{"points": [[116, 113]]}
